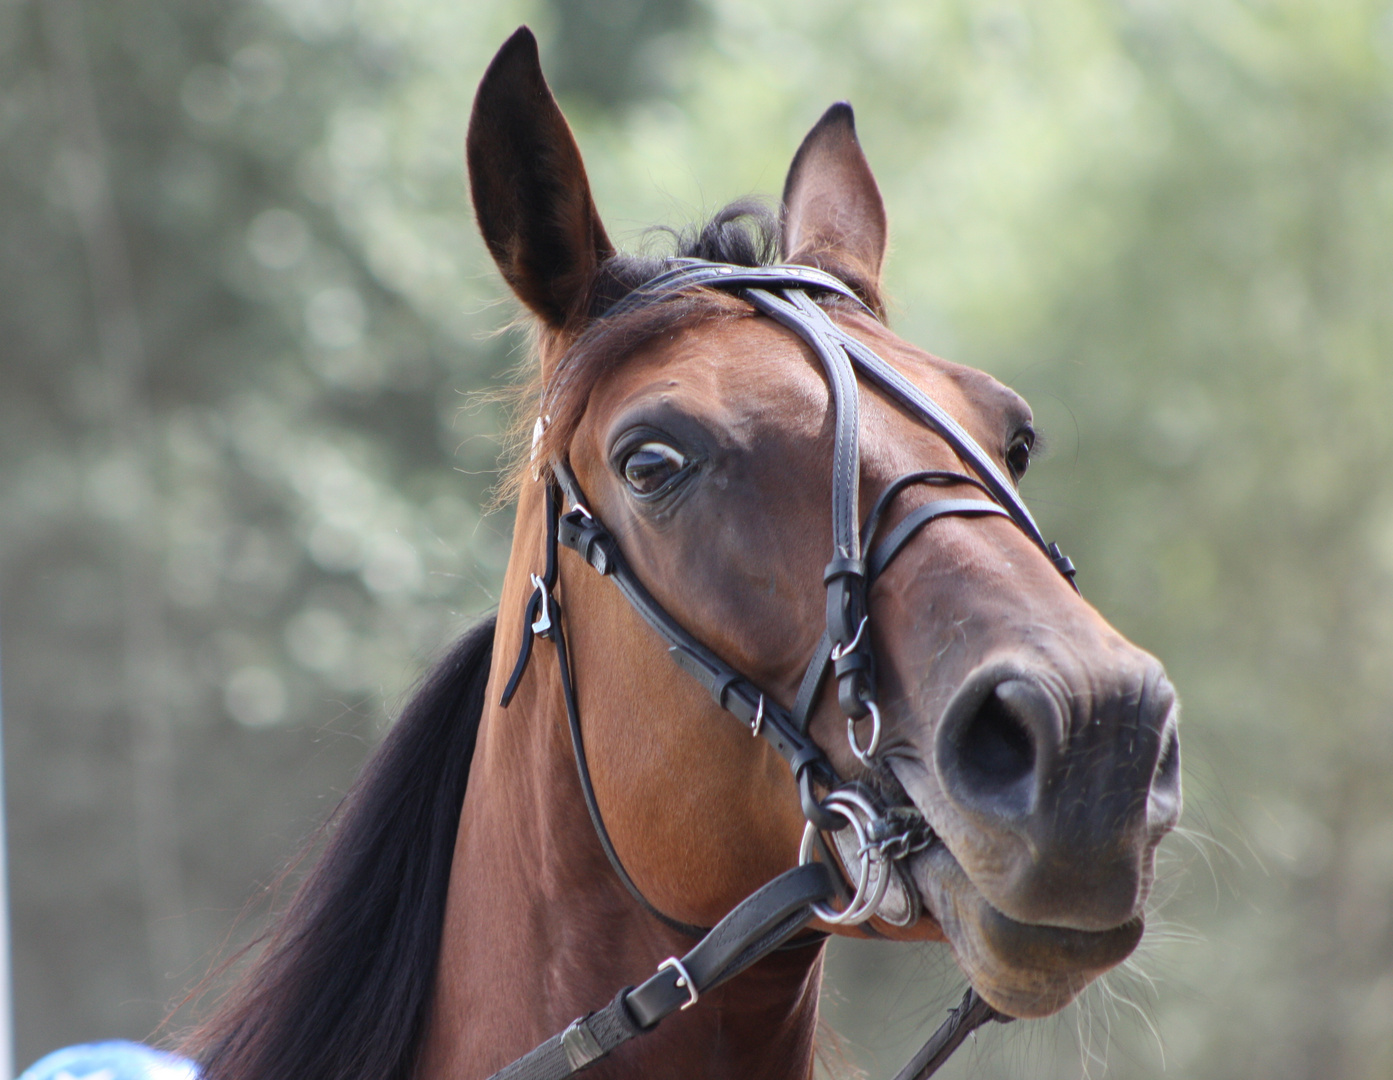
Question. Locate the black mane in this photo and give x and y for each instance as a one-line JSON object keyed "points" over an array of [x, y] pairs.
{"points": [[343, 985]]}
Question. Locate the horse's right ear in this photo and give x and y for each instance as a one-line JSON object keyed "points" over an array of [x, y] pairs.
{"points": [[530, 192]]}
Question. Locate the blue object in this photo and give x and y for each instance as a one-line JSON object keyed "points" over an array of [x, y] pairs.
{"points": [[115, 1060]]}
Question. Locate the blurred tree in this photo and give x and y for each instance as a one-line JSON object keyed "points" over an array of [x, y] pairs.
{"points": [[231, 528], [613, 52]]}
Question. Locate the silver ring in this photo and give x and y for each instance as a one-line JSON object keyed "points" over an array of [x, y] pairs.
{"points": [[805, 850], [864, 756], [867, 897], [868, 907]]}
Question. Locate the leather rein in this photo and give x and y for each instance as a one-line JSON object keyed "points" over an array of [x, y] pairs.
{"points": [[873, 840]]}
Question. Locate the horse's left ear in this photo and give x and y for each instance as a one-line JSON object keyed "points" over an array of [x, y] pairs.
{"points": [[531, 195], [833, 216]]}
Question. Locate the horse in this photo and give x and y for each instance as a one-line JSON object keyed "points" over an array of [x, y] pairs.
{"points": [[978, 758]]}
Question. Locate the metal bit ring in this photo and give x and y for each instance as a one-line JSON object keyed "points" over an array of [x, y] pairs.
{"points": [[864, 756], [868, 894], [805, 856]]}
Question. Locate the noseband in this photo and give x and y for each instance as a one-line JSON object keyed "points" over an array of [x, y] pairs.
{"points": [[882, 837]]}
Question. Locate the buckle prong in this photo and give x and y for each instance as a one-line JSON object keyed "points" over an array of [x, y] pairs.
{"points": [[758, 721]]}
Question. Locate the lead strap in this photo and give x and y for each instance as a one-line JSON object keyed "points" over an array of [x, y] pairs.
{"points": [[753, 928]]}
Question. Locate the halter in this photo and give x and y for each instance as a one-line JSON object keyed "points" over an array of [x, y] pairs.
{"points": [[882, 837]]}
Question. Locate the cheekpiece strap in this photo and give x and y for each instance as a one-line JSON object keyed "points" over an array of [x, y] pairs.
{"points": [[585, 534]]}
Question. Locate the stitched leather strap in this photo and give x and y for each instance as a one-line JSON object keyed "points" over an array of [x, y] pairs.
{"points": [[695, 273], [754, 927], [920, 516], [845, 573], [730, 689]]}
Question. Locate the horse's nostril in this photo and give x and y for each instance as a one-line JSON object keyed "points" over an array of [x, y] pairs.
{"points": [[988, 759], [1168, 767], [996, 750], [1163, 802]]}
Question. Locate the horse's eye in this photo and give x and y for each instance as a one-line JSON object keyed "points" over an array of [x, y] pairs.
{"points": [[651, 467], [1018, 453]]}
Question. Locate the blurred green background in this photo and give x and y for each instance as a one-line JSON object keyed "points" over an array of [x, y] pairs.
{"points": [[245, 324]]}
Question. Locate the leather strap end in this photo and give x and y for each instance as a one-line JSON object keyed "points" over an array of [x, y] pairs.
{"points": [[534, 605]]}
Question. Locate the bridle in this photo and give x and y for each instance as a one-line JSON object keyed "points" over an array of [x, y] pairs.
{"points": [[882, 837]]}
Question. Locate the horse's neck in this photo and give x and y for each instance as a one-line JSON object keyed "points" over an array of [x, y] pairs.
{"points": [[538, 929]]}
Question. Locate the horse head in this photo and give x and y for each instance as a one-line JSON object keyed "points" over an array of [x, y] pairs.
{"points": [[1038, 744]]}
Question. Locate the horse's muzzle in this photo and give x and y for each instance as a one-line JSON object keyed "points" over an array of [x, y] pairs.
{"points": [[1056, 792], [1050, 789]]}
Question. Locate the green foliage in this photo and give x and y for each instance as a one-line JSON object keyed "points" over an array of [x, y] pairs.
{"points": [[240, 500]]}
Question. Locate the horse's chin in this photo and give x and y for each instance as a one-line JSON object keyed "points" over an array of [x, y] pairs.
{"points": [[1021, 969]]}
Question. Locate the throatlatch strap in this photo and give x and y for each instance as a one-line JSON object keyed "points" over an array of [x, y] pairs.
{"points": [[587, 787]]}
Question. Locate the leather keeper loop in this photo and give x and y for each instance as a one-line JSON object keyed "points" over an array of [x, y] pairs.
{"points": [[721, 686], [591, 541], [852, 693], [595, 549], [625, 1014], [813, 810], [808, 756], [841, 567], [845, 606], [848, 663], [571, 528], [1062, 562]]}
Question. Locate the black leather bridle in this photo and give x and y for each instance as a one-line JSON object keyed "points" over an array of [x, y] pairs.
{"points": [[883, 836]]}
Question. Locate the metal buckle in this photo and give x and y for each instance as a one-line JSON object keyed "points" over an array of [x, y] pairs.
{"points": [[683, 980], [868, 895], [542, 626]]}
